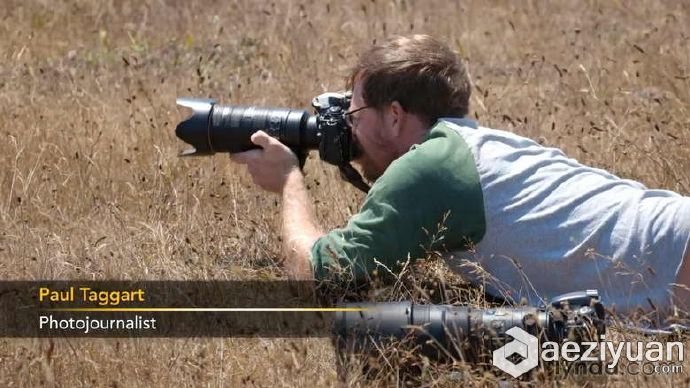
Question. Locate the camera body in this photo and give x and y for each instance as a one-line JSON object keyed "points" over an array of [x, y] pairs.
{"points": [[336, 144]]}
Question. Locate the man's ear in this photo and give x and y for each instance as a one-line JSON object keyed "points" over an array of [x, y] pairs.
{"points": [[397, 118]]}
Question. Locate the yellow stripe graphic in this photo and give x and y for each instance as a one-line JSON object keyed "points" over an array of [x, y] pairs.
{"points": [[207, 309]]}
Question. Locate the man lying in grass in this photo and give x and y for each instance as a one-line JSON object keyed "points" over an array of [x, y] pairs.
{"points": [[537, 221]]}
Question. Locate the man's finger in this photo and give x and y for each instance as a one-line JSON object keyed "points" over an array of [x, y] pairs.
{"points": [[261, 139], [246, 156]]}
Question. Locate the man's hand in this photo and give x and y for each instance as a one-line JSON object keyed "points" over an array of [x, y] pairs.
{"points": [[269, 166]]}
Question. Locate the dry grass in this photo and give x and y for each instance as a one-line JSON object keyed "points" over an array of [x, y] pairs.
{"points": [[91, 187]]}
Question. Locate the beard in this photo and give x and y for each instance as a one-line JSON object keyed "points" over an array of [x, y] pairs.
{"points": [[370, 175], [368, 169]]}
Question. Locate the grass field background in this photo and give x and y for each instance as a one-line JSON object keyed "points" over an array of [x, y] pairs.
{"points": [[91, 186]]}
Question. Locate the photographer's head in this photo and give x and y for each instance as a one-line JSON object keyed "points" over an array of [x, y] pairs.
{"points": [[400, 88]]}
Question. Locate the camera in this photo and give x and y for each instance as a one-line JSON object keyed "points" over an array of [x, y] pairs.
{"points": [[216, 128], [467, 332]]}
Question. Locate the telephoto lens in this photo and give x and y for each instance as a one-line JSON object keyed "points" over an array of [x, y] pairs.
{"points": [[216, 128], [458, 330], [467, 332]]}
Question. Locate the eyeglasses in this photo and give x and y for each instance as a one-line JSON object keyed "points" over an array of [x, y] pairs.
{"points": [[352, 120]]}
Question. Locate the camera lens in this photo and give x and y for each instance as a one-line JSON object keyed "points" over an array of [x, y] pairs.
{"points": [[231, 127], [216, 128]]}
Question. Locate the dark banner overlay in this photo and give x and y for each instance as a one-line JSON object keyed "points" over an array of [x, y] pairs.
{"points": [[163, 309]]}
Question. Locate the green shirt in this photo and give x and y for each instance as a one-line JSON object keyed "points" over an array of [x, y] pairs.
{"points": [[429, 199]]}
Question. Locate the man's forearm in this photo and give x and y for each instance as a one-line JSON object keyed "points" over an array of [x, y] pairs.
{"points": [[300, 230]]}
